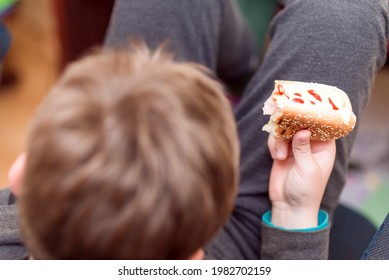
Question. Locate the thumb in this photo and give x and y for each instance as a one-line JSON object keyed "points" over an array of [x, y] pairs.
{"points": [[301, 147]]}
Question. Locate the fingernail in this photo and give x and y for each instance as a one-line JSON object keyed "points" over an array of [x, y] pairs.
{"points": [[280, 154]]}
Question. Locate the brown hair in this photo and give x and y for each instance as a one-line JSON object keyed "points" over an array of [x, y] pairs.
{"points": [[131, 156]]}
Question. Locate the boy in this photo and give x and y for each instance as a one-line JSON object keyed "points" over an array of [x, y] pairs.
{"points": [[135, 156], [310, 41]]}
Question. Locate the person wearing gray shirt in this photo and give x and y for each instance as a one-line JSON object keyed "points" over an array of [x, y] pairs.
{"points": [[334, 42]]}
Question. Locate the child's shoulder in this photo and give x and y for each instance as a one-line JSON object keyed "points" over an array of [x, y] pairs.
{"points": [[11, 245]]}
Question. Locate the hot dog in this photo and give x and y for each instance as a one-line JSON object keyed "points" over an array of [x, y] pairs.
{"points": [[324, 110]]}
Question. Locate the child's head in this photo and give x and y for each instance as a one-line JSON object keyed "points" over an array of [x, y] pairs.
{"points": [[131, 156]]}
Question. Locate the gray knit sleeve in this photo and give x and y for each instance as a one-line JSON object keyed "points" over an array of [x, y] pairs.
{"points": [[11, 245], [288, 245]]}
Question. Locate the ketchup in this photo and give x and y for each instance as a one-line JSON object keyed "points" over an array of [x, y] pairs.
{"points": [[298, 100], [314, 94], [332, 103], [281, 89]]}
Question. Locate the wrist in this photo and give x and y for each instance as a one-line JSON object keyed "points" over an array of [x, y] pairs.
{"points": [[322, 221], [294, 217]]}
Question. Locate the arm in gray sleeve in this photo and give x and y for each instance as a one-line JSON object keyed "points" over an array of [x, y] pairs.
{"points": [[336, 42]]}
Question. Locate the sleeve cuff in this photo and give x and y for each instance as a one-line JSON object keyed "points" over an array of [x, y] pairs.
{"points": [[322, 221]]}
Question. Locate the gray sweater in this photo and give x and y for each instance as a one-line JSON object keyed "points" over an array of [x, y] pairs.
{"points": [[11, 245], [278, 244]]}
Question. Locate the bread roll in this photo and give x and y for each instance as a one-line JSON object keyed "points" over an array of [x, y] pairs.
{"points": [[324, 110]]}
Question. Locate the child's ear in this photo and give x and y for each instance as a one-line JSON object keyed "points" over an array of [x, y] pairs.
{"points": [[198, 255], [16, 172]]}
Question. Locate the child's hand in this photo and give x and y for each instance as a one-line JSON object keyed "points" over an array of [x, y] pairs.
{"points": [[299, 175]]}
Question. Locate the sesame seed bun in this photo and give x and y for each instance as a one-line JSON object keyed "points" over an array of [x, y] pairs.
{"points": [[324, 110]]}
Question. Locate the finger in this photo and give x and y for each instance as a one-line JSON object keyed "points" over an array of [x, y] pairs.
{"points": [[278, 148], [15, 173], [301, 146], [323, 146], [324, 152]]}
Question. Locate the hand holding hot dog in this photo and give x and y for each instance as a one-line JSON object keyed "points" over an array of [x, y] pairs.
{"points": [[298, 179]]}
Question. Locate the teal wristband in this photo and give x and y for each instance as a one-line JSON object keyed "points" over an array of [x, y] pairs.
{"points": [[322, 221]]}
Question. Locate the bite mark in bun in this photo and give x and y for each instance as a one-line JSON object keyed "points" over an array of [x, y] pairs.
{"points": [[324, 110]]}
